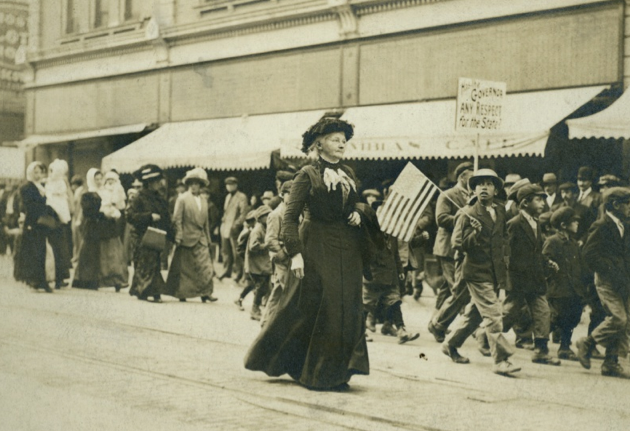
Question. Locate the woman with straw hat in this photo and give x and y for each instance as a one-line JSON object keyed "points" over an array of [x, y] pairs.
{"points": [[191, 272]]}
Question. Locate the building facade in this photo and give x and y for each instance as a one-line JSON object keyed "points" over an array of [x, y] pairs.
{"points": [[102, 73]]}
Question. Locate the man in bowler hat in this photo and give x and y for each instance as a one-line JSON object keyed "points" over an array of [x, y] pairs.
{"points": [[234, 211]]}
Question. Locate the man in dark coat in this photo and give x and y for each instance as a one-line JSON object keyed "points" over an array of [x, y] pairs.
{"points": [[607, 252], [570, 192], [480, 233], [448, 204], [527, 270], [588, 197]]}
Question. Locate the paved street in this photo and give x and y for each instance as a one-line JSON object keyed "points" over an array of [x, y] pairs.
{"points": [[83, 360]]}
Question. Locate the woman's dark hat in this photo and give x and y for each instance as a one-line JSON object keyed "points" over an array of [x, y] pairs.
{"points": [[148, 173], [483, 174], [326, 126]]}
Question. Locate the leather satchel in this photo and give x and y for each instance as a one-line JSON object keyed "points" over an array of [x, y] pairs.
{"points": [[47, 221], [154, 239]]}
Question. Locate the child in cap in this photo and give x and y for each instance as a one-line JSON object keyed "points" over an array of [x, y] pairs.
{"points": [[241, 250], [257, 260]]}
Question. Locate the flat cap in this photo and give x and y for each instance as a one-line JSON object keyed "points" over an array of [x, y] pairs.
{"points": [[511, 179], [286, 187], [617, 194], [251, 215], [609, 180], [231, 180], [530, 190], [516, 187], [569, 186], [371, 192], [261, 211], [463, 167], [563, 215], [545, 218]]}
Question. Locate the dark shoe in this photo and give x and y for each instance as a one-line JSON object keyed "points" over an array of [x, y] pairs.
{"points": [[118, 287], [567, 354], [584, 349], [255, 313], [438, 334], [47, 288], [239, 304], [417, 294], [527, 345], [452, 353], [614, 370], [209, 299], [596, 354], [404, 336], [368, 338], [542, 357], [388, 329], [182, 299], [370, 322], [157, 299], [505, 368], [60, 284]]}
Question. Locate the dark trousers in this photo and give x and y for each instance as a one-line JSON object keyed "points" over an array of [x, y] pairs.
{"points": [[261, 286], [232, 262], [538, 309], [614, 332], [565, 316]]}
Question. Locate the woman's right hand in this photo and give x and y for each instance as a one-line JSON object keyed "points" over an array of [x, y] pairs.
{"points": [[297, 266], [155, 217]]}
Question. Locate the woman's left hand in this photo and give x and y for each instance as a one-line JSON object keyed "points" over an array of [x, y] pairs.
{"points": [[354, 219]]}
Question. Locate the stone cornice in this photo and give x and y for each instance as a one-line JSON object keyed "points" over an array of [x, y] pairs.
{"points": [[366, 7]]}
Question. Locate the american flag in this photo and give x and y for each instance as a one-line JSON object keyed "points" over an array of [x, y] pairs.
{"points": [[408, 197]]}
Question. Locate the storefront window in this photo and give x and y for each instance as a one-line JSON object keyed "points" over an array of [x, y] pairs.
{"points": [[71, 17], [101, 13]]}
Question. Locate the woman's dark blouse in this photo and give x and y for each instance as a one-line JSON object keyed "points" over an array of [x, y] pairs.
{"points": [[322, 205], [33, 204], [146, 203]]}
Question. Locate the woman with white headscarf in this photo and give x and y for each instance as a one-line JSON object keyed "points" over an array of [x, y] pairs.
{"points": [[113, 266], [87, 273], [59, 198], [31, 262]]}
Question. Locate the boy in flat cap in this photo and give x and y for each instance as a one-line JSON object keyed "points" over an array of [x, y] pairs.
{"points": [[607, 252], [257, 260], [480, 234], [527, 270], [564, 284], [569, 193]]}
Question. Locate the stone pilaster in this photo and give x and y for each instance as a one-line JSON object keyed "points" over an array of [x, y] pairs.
{"points": [[626, 45]]}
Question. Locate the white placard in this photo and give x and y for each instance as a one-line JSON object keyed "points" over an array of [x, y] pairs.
{"points": [[479, 105]]}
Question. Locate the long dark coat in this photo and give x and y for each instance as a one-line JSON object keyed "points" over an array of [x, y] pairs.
{"points": [[318, 333], [31, 264], [88, 269]]}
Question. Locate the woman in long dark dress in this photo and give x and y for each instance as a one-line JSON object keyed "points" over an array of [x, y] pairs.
{"points": [[31, 265], [318, 333], [87, 273], [149, 208]]}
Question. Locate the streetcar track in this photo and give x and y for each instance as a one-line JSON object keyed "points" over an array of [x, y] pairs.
{"points": [[240, 394]]}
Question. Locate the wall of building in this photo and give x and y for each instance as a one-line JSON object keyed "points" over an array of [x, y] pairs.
{"points": [[574, 47]]}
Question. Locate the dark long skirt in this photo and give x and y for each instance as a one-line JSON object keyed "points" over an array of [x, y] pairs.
{"points": [[317, 335], [61, 246], [113, 265], [147, 278], [87, 272], [31, 261], [191, 272]]}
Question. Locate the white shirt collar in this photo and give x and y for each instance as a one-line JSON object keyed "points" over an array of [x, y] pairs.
{"points": [[585, 193]]}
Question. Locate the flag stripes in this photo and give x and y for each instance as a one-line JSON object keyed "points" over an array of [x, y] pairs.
{"points": [[407, 200]]}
